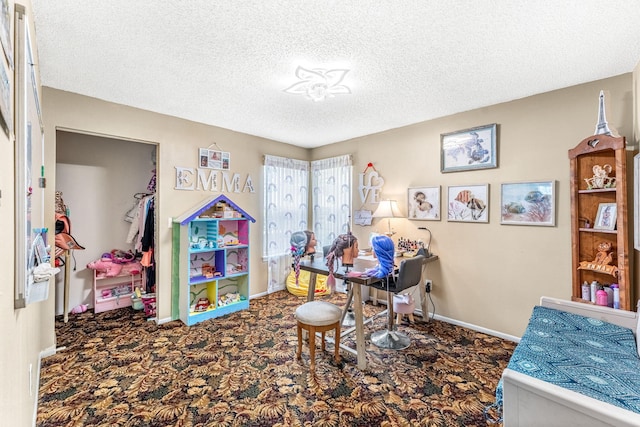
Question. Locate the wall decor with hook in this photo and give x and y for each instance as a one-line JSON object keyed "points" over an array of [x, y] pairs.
{"points": [[370, 184]]}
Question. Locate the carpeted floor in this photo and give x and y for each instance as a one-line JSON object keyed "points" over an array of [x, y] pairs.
{"points": [[117, 369]]}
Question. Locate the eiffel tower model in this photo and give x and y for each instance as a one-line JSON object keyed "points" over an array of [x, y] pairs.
{"points": [[602, 128]]}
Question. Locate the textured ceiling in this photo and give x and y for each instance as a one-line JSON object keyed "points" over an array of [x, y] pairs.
{"points": [[227, 62]]}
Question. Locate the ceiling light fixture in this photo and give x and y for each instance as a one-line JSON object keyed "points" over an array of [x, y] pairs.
{"points": [[319, 84]]}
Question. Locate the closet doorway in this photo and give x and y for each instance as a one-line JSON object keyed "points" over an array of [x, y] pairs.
{"points": [[101, 179]]}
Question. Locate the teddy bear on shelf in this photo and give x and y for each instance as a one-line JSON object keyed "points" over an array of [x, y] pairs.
{"points": [[105, 266], [604, 255]]}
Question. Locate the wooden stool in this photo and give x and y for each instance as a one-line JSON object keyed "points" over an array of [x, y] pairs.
{"points": [[318, 316]]}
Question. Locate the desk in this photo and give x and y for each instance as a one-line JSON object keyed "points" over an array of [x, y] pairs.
{"points": [[318, 267]]}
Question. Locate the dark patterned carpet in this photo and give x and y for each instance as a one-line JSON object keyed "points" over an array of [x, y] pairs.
{"points": [[118, 369]]}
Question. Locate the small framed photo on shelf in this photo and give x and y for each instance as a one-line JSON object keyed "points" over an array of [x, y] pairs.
{"points": [[528, 203], [468, 203], [606, 217], [469, 149], [424, 203]]}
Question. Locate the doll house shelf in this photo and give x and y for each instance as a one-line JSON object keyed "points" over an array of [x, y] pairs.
{"points": [[210, 261]]}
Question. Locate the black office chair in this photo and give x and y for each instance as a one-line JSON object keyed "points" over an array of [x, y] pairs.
{"points": [[410, 275]]}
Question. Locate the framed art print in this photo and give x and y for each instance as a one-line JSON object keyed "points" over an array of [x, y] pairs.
{"points": [[214, 159], [469, 149], [528, 203], [468, 203], [606, 217], [424, 203]]}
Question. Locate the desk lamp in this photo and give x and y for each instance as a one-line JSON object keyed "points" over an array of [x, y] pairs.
{"points": [[425, 251], [388, 209]]}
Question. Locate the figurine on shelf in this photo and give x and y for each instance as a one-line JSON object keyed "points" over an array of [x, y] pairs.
{"points": [[602, 260], [601, 178], [604, 256]]}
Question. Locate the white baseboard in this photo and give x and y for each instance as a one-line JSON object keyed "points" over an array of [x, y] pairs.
{"points": [[477, 328], [262, 294], [44, 353], [471, 326]]}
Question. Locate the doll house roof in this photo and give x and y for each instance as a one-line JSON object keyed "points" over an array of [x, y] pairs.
{"points": [[209, 204]]}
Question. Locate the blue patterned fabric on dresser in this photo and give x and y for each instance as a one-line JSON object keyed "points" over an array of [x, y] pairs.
{"points": [[583, 354]]}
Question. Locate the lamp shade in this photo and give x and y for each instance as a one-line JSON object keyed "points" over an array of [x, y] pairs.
{"points": [[387, 209]]}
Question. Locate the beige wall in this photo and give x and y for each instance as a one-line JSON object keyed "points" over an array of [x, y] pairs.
{"points": [[491, 275], [636, 103], [24, 333]]}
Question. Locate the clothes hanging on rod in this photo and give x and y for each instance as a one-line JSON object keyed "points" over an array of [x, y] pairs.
{"points": [[130, 214], [136, 229]]}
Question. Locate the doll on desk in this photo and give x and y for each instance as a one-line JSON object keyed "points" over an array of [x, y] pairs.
{"points": [[344, 248], [303, 243], [384, 250]]}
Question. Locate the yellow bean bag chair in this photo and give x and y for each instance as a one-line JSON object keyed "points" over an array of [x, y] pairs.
{"points": [[302, 287]]}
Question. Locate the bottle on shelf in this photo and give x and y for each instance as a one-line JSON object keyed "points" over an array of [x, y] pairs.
{"points": [[616, 295], [586, 291], [601, 298], [594, 289]]}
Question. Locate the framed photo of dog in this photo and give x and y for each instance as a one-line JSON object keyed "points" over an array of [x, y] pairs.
{"points": [[468, 203], [424, 203]]}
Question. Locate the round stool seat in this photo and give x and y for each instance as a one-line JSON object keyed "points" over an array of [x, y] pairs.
{"points": [[318, 316], [318, 313]]}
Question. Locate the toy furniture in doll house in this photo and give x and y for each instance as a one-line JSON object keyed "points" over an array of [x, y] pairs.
{"points": [[210, 261]]}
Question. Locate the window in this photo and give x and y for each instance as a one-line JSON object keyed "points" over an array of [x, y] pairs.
{"points": [[331, 197], [286, 196], [286, 210]]}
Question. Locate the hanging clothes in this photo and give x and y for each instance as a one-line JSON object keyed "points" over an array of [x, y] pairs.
{"points": [[147, 247], [138, 224]]}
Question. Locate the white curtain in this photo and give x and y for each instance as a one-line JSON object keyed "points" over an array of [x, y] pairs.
{"points": [[286, 195], [331, 197]]}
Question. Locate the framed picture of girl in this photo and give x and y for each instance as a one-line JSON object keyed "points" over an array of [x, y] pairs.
{"points": [[424, 203]]}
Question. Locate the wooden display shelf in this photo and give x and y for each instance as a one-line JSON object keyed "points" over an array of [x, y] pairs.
{"points": [[589, 261]]}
